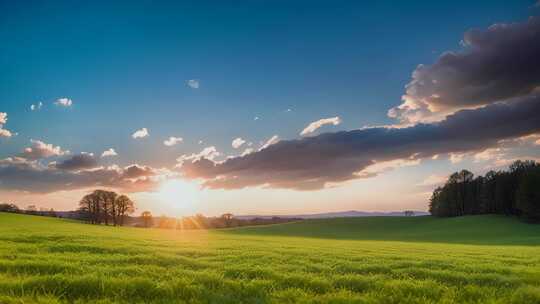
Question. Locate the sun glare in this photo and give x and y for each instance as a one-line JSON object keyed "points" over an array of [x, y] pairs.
{"points": [[179, 194]]}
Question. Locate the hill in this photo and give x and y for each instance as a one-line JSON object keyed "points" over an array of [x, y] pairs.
{"points": [[481, 229], [351, 213], [481, 259]]}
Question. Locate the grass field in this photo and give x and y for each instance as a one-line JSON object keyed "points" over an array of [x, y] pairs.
{"points": [[480, 259]]}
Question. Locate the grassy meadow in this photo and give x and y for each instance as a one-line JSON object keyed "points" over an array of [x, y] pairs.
{"points": [[476, 259]]}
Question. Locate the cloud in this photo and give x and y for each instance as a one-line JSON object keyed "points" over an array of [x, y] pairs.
{"points": [[312, 127], [64, 102], [498, 64], [142, 133], [77, 162], [313, 162], [193, 83], [19, 174], [3, 121], [237, 142], [272, 140], [256, 118], [36, 107], [173, 141], [208, 153], [108, 153], [40, 149]]}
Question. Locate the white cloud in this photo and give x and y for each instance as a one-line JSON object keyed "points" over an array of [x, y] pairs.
{"points": [[109, 152], [288, 110], [3, 120], [456, 157], [64, 102], [247, 151], [200, 142], [40, 149], [173, 141], [193, 83], [142, 133], [238, 142], [312, 127], [209, 153], [385, 166], [256, 118], [36, 107], [272, 140]]}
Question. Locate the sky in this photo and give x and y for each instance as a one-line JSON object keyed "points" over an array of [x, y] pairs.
{"points": [[267, 107]]}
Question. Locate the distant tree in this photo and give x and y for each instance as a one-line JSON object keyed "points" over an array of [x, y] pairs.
{"points": [[5, 207], [408, 213], [528, 194], [31, 209], [227, 218], [124, 207], [147, 218], [511, 192]]}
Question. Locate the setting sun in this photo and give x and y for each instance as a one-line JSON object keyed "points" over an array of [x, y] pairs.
{"points": [[179, 194]]}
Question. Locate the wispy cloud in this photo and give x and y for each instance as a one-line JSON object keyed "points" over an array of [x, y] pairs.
{"points": [[209, 153], [142, 133], [272, 140], [237, 142], [36, 107], [64, 102], [171, 141], [312, 127], [193, 83], [108, 153]]}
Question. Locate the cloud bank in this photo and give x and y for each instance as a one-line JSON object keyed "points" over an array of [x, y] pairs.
{"points": [[313, 162], [498, 64]]}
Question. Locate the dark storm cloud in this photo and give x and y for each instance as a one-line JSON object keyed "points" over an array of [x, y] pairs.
{"points": [[499, 63], [78, 162], [310, 163]]}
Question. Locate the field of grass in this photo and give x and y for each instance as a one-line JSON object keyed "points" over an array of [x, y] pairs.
{"points": [[477, 259]]}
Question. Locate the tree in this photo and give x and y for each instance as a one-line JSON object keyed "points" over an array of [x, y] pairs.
{"points": [[124, 207], [147, 218], [103, 206], [227, 218], [511, 192], [408, 213], [9, 208], [528, 195]]}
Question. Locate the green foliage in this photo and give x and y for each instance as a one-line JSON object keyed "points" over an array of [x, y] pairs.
{"points": [[479, 259], [512, 192]]}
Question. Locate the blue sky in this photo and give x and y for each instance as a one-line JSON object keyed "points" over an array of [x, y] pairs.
{"points": [[126, 65]]}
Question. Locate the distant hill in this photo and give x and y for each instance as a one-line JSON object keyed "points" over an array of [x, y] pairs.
{"points": [[351, 213]]}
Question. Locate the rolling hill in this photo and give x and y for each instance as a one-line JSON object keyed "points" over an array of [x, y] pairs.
{"points": [[478, 259]]}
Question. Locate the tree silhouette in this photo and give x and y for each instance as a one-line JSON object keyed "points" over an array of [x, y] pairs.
{"points": [[147, 218]]}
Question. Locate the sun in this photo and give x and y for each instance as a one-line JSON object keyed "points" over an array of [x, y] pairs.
{"points": [[179, 194]]}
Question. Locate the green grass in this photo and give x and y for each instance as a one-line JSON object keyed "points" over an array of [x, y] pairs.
{"points": [[480, 259]]}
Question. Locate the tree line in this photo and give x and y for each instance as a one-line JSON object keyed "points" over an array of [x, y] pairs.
{"points": [[106, 207], [515, 191]]}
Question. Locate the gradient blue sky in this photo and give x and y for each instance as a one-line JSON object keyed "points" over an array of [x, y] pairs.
{"points": [[125, 66]]}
